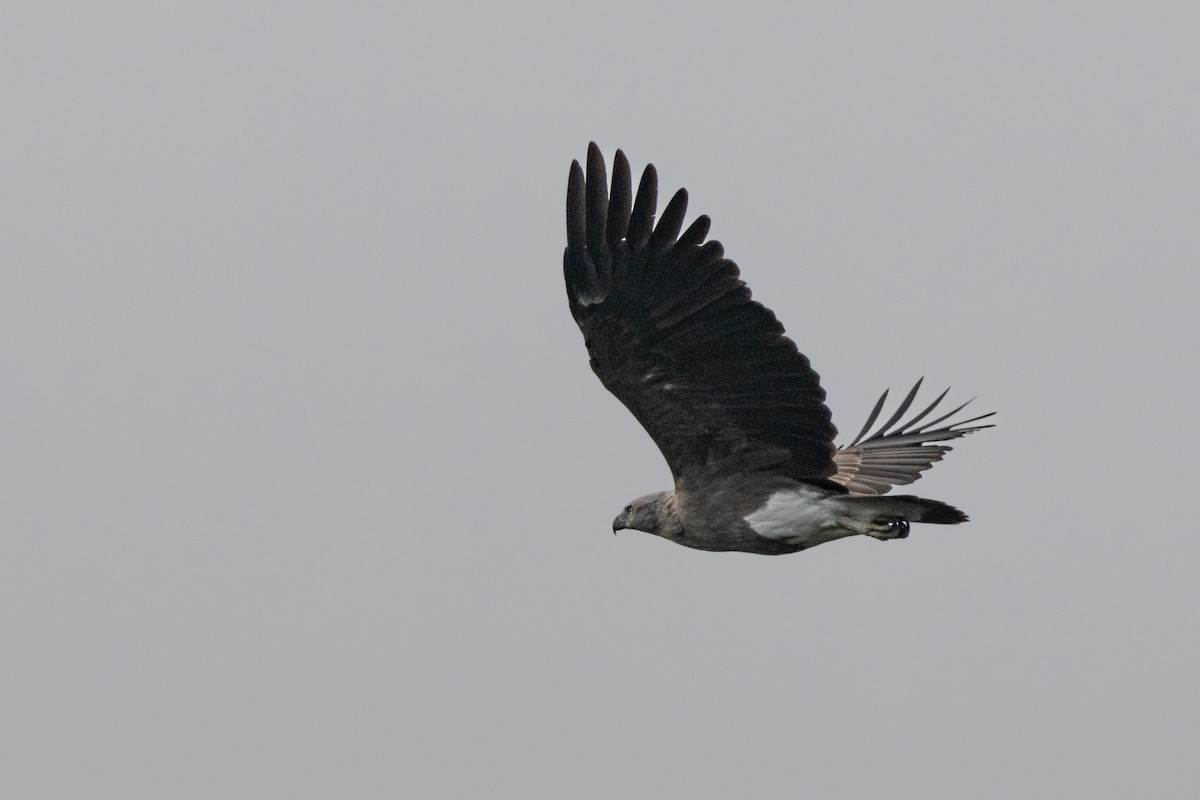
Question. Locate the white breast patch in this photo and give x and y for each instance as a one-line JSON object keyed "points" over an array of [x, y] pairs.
{"points": [[800, 515]]}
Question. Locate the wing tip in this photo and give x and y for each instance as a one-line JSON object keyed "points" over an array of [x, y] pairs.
{"points": [[576, 208]]}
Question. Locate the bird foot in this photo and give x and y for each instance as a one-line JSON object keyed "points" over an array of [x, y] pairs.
{"points": [[884, 528]]}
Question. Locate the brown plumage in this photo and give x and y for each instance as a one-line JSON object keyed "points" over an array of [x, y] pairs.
{"points": [[735, 408]]}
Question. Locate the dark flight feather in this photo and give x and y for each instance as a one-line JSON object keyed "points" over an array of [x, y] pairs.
{"points": [[673, 332]]}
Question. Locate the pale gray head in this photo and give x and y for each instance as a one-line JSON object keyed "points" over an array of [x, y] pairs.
{"points": [[651, 513]]}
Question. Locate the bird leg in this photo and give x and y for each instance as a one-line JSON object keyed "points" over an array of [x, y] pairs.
{"points": [[884, 528]]}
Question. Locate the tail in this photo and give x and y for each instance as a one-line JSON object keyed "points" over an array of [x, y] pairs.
{"points": [[887, 517], [917, 509]]}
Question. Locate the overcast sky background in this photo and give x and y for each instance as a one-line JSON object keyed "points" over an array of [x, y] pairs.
{"points": [[307, 484]]}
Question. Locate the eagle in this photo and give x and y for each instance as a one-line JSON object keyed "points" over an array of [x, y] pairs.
{"points": [[735, 408]]}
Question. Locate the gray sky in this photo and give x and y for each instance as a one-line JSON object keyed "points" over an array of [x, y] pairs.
{"points": [[307, 484]]}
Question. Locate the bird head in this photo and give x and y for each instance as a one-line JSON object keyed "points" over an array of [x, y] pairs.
{"points": [[650, 513]]}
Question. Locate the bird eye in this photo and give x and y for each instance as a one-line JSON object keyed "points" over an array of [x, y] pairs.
{"points": [[629, 508]]}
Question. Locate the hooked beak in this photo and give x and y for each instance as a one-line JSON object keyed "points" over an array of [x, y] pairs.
{"points": [[619, 524]]}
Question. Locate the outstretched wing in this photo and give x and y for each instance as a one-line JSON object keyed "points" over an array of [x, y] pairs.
{"points": [[673, 333], [890, 458]]}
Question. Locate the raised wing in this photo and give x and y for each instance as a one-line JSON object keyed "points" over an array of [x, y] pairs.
{"points": [[673, 333], [888, 458]]}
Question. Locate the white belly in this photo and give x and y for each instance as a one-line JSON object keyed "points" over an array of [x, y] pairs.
{"points": [[800, 516]]}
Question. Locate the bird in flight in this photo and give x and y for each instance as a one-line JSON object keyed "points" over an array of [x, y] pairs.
{"points": [[735, 408]]}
